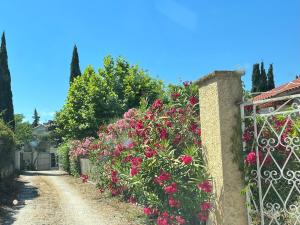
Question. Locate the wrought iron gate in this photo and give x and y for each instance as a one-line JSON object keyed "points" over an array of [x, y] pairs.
{"points": [[271, 147]]}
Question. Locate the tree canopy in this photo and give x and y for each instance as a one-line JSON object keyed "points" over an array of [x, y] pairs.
{"points": [[94, 98]]}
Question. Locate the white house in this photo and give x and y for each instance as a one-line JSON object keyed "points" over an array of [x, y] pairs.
{"points": [[40, 154]]}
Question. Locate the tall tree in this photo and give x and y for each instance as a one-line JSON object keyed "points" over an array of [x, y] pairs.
{"points": [[271, 83], [75, 68], [263, 82], [6, 102], [36, 119], [255, 78]]}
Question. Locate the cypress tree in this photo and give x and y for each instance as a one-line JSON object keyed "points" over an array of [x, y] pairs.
{"points": [[263, 82], [271, 83], [255, 78], [6, 102], [36, 119], [75, 68]]}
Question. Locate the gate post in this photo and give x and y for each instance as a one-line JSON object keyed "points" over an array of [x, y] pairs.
{"points": [[219, 95]]}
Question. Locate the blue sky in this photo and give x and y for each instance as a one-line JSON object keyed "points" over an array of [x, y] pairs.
{"points": [[172, 39]]}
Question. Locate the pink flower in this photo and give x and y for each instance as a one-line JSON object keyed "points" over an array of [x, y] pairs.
{"points": [[175, 95], [205, 206], [193, 100], [251, 158], [136, 161], [180, 220], [157, 104], [202, 216], [130, 113], [134, 171], [163, 134], [164, 176], [171, 189], [205, 186], [148, 211], [162, 221], [150, 152], [84, 178], [168, 123], [173, 202], [165, 215], [186, 159]]}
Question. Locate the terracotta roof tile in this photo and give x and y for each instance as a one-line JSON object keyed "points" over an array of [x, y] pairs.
{"points": [[295, 84]]}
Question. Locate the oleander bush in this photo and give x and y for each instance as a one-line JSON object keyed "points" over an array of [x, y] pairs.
{"points": [[153, 157]]}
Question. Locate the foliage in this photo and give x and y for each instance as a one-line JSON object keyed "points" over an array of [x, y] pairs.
{"points": [[96, 98], [36, 119], [271, 83], [154, 157], [23, 131], [263, 81], [255, 78], [6, 103], [260, 81], [7, 144], [63, 154], [75, 68]]}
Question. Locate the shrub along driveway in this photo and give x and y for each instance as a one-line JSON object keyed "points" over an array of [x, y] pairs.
{"points": [[52, 197]]}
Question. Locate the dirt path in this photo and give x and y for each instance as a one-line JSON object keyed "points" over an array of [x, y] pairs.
{"points": [[53, 198]]}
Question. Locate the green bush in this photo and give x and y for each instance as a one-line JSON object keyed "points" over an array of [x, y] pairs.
{"points": [[7, 145], [75, 166], [63, 154]]}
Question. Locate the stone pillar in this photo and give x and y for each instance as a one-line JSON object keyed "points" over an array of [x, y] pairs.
{"points": [[220, 92]]}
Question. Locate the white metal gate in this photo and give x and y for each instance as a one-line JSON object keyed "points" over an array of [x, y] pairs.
{"points": [[271, 147]]}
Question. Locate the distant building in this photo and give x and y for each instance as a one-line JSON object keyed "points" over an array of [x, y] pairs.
{"points": [[289, 88], [40, 154], [271, 99]]}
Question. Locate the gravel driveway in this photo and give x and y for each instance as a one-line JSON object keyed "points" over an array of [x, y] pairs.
{"points": [[54, 198]]}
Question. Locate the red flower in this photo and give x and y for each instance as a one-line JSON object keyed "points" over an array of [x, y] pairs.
{"points": [[205, 186], [165, 215], [148, 211], [134, 171], [162, 221], [150, 152], [177, 139], [84, 178], [157, 104], [136, 161], [173, 202], [163, 134], [180, 220], [205, 206], [162, 178], [193, 100], [187, 83], [175, 95], [251, 158], [114, 176], [186, 159], [202, 216], [168, 123], [171, 188]]}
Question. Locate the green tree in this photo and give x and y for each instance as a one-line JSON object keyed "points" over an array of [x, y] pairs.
{"points": [[23, 131], [90, 102], [271, 83], [36, 119], [263, 81], [6, 101], [255, 78], [75, 68], [96, 98]]}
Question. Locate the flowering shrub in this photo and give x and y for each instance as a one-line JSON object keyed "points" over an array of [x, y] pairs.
{"points": [[154, 157]]}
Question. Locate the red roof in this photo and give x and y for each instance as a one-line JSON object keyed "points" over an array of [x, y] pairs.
{"points": [[295, 84]]}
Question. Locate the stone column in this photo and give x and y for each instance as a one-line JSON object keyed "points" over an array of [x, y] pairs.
{"points": [[220, 92]]}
